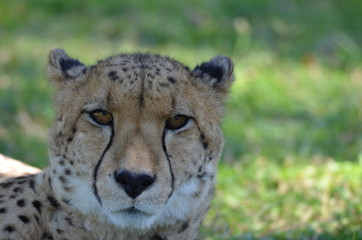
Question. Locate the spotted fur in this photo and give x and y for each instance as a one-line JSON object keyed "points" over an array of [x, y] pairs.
{"points": [[133, 177]]}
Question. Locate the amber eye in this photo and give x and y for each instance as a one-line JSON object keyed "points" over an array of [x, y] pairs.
{"points": [[102, 117], [177, 122]]}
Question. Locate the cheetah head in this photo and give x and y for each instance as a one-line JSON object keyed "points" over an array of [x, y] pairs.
{"points": [[137, 136]]}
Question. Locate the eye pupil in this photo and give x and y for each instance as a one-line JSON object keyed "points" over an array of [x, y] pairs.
{"points": [[102, 117]]}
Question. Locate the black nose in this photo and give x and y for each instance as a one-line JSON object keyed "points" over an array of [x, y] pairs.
{"points": [[134, 184]]}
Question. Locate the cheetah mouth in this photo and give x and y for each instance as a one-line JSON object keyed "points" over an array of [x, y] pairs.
{"points": [[132, 217], [133, 211]]}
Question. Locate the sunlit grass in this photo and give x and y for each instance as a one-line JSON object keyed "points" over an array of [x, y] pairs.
{"points": [[279, 108], [292, 200]]}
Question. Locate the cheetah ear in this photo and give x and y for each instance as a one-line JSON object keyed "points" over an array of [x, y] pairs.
{"points": [[218, 72], [62, 67]]}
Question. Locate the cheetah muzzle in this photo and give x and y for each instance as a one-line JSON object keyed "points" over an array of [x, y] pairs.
{"points": [[133, 151]]}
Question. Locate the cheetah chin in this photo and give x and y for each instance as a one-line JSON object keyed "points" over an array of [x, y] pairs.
{"points": [[133, 151]]}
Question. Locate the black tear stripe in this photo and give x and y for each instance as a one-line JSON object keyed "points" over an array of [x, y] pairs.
{"points": [[169, 163], [95, 173]]}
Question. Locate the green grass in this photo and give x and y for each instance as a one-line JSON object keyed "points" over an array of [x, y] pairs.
{"points": [[291, 167], [292, 200]]}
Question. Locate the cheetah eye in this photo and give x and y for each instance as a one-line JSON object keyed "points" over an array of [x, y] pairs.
{"points": [[176, 122], [102, 117]]}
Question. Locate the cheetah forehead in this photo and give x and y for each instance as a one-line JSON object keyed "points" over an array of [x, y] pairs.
{"points": [[139, 80], [150, 68]]}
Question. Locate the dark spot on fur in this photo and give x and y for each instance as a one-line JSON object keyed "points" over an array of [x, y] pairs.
{"points": [[68, 171], [46, 236], [157, 237], [164, 85], [66, 201], [202, 136], [69, 139], [196, 194], [54, 202], [201, 175], [21, 182], [171, 80], [18, 190], [69, 220], [37, 205], [113, 75], [62, 179], [59, 231], [205, 145], [189, 176], [124, 69], [21, 202], [74, 130], [32, 184], [61, 162], [13, 196], [9, 228], [24, 219], [6, 184], [3, 210], [183, 227]]}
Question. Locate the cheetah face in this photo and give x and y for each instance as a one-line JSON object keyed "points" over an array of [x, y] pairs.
{"points": [[137, 136]]}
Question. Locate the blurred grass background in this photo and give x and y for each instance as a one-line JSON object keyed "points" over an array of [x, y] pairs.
{"points": [[292, 164]]}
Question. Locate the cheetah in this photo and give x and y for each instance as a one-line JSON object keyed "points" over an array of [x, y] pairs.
{"points": [[133, 151]]}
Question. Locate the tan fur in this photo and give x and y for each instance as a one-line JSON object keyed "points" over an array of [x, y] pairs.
{"points": [[80, 196]]}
